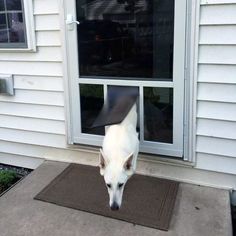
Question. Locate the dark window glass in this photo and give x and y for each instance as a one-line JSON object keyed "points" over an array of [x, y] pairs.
{"points": [[3, 36], [12, 24], [2, 6], [3, 29], [13, 5], [158, 114], [123, 38], [16, 27], [91, 103], [3, 22]]}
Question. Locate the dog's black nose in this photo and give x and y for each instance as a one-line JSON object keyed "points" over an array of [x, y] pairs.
{"points": [[115, 206]]}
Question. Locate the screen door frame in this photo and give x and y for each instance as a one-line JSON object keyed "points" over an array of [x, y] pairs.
{"points": [[77, 137]]}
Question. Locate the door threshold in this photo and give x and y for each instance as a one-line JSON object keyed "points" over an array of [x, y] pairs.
{"points": [[142, 156]]}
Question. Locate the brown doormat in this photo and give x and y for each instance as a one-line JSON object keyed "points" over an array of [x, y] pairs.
{"points": [[147, 201]]}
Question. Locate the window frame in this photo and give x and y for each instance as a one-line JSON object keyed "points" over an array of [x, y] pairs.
{"points": [[174, 149], [30, 44], [74, 135]]}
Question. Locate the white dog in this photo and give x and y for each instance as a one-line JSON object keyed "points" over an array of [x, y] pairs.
{"points": [[118, 156]]}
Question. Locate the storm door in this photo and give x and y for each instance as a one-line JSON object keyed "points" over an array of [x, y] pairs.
{"points": [[138, 43]]}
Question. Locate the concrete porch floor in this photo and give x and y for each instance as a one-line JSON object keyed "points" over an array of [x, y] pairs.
{"points": [[198, 211]]}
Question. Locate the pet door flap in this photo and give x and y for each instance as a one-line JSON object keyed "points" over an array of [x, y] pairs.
{"points": [[117, 105]]}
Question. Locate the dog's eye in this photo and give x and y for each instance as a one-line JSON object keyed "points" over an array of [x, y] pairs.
{"points": [[120, 185], [109, 185]]}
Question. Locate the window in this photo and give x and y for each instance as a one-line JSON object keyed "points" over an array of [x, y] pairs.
{"points": [[139, 43], [16, 29], [131, 39]]}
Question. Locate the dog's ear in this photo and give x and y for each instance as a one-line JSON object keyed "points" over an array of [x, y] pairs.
{"points": [[128, 165], [103, 163]]}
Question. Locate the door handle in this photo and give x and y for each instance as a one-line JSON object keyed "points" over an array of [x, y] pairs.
{"points": [[70, 21]]}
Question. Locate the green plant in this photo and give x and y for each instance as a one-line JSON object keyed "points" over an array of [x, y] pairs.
{"points": [[91, 90], [7, 178]]}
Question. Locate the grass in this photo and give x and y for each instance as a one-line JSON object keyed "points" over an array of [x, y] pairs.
{"points": [[7, 178]]}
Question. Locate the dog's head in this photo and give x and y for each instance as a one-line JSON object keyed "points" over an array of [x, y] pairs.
{"points": [[115, 176]]}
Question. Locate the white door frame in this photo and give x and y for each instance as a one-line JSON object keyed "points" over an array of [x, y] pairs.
{"points": [[175, 149]]}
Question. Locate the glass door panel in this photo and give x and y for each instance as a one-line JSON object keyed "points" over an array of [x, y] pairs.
{"points": [[158, 114], [128, 39], [91, 102], [140, 44]]}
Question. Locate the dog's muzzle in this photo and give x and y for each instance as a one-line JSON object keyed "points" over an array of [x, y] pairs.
{"points": [[115, 206]]}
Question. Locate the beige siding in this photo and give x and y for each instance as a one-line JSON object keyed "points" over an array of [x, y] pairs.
{"points": [[32, 137], [217, 54], [41, 83], [223, 164], [22, 149], [36, 97], [47, 22], [16, 160], [44, 54], [217, 92], [216, 108], [218, 14], [45, 7], [219, 73], [31, 68], [216, 146], [33, 121], [206, 2], [28, 124], [48, 38], [216, 128], [32, 110], [217, 34]]}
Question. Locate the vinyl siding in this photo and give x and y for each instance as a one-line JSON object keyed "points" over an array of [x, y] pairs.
{"points": [[33, 121], [216, 97]]}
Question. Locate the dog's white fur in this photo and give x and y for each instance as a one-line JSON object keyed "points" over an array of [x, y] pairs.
{"points": [[118, 156]]}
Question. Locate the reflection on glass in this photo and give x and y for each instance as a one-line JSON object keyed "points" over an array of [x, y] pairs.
{"points": [[3, 29], [17, 27], [3, 23], [3, 36], [2, 6], [158, 114], [13, 5], [91, 103], [12, 25], [121, 38]]}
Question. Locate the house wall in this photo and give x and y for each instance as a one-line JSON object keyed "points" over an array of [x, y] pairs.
{"points": [[216, 89], [32, 123]]}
